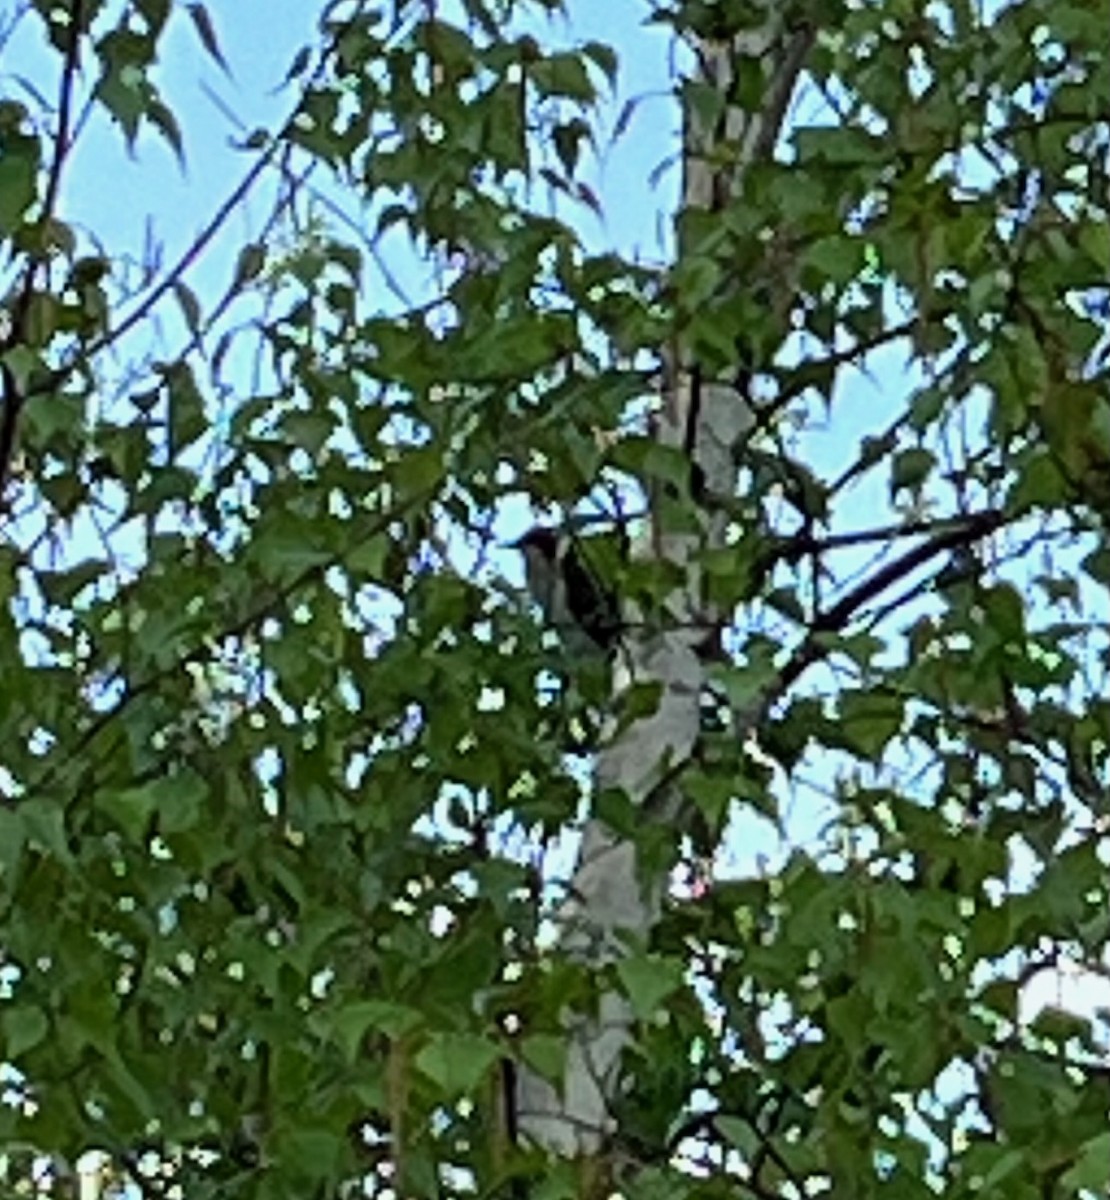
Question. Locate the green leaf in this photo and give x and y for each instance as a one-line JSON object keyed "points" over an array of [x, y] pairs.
{"points": [[202, 22], [284, 555], [11, 844], [154, 12], [24, 1028], [180, 801], [1007, 1164], [605, 57], [641, 700], [44, 824], [355, 1020], [125, 1080], [839, 145], [562, 74], [648, 979], [567, 137], [131, 808], [19, 164], [163, 119], [1005, 612], [457, 1062], [44, 315], [22, 362], [190, 305], [1038, 484], [1097, 564], [186, 406], [369, 556], [299, 64], [1059, 1025], [910, 469], [312, 1153], [1090, 1170], [560, 1181], [868, 721], [309, 430], [124, 87], [546, 1054], [836, 259], [248, 266], [739, 1133]]}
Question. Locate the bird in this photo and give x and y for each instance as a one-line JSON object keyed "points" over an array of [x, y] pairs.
{"points": [[573, 599]]}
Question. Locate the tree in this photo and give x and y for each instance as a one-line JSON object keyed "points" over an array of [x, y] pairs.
{"points": [[275, 728]]}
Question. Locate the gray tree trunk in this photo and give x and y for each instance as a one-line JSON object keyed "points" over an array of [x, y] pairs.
{"points": [[612, 906]]}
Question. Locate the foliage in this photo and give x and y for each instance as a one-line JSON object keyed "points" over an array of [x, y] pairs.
{"points": [[271, 746]]}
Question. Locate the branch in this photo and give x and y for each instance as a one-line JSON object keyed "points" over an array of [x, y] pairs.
{"points": [[804, 543], [65, 101], [834, 619], [787, 71]]}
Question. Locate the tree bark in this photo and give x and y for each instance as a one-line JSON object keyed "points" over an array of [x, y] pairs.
{"points": [[612, 906]]}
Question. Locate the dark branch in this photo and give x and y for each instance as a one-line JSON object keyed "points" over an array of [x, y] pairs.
{"points": [[833, 619]]}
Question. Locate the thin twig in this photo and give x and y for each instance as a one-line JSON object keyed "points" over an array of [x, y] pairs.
{"points": [[65, 101]]}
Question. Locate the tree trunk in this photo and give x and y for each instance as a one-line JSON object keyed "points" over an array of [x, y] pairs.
{"points": [[613, 905]]}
